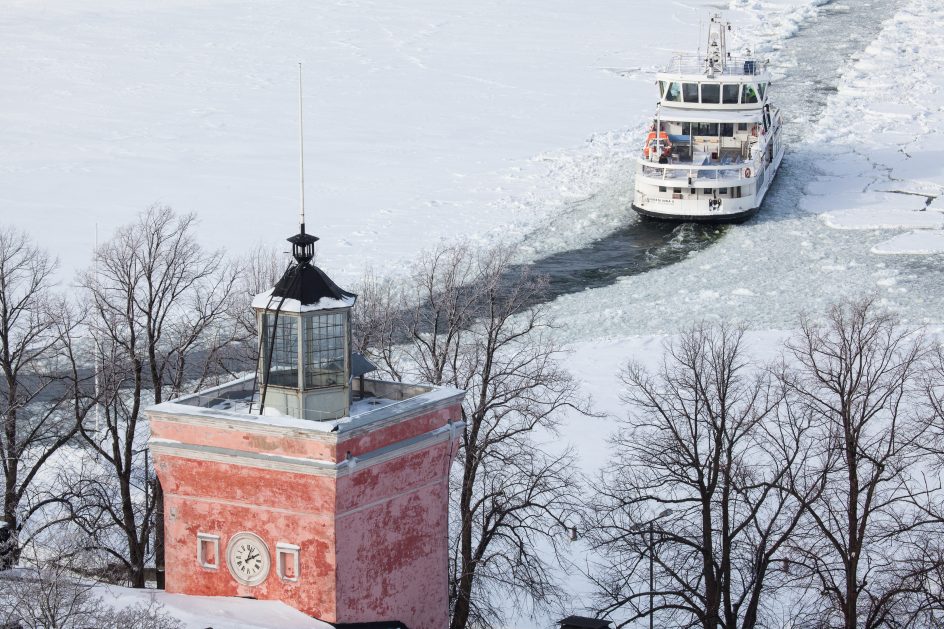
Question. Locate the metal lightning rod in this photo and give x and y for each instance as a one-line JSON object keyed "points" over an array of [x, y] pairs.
{"points": [[301, 152]]}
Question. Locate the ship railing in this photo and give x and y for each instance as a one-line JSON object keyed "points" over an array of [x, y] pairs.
{"points": [[699, 172], [732, 66]]}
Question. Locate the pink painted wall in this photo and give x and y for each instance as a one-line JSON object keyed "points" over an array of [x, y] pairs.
{"points": [[405, 429], [392, 541], [374, 543], [290, 443], [215, 498], [295, 443]]}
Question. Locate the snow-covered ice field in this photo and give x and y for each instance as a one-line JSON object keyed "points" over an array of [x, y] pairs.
{"points": [[424, 119]]}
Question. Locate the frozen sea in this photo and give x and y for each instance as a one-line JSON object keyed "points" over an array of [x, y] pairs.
{"points": [[424, 120]]}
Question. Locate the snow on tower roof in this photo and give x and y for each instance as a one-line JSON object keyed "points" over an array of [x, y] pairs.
{"points": [[306, 284], [269, 301]]}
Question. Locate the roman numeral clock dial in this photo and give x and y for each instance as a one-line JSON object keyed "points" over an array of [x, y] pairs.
{"points": [[247, 557]]}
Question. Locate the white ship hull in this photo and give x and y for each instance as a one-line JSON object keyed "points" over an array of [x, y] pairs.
{"points": [[656, 198]]}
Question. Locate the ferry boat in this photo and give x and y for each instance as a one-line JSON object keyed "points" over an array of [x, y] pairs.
{"points": [[716, 143]]}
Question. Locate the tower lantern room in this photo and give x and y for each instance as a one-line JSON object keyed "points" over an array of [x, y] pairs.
{"points": [[304, 324]]}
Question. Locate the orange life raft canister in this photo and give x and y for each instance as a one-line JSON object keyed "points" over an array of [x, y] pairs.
{"points": [[651, 144]]}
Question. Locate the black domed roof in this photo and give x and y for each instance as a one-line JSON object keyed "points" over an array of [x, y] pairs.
{"points": [[308, 284], [305, 282]]}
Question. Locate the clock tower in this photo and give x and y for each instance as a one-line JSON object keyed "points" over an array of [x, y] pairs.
{"points": [[308, 482]]}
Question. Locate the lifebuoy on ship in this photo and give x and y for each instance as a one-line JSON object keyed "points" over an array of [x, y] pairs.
{"points": [[652, 142], [747, 173]]}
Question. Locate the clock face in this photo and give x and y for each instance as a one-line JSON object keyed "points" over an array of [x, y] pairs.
{"points": [[247, 557]]}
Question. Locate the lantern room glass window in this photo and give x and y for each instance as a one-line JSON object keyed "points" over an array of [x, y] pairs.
{"points": [[325, 337], [283, 369]]}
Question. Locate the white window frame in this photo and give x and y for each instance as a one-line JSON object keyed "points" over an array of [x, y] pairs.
{"points": [[287, 552], [214, 541]]}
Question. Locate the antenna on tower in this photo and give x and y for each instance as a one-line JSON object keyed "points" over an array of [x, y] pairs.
{"points": [[99, 357], [301, 152]]}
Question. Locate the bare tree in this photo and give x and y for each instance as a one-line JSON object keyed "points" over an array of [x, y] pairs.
{"points": [[465, 319], [160, 310], [47, 597], [924, 553], [42, 399], [703, 445], [857, 383], [376, 321], [259, 270], [53, 591]]}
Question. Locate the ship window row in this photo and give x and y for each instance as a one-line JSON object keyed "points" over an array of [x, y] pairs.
{"points": [[734, 192], [712, 93], [704, 129]]}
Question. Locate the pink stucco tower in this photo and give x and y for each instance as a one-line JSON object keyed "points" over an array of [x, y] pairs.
{"points": [[307, 482]]}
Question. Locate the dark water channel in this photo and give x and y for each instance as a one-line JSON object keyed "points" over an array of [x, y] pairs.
{"points": [[806, 72]]}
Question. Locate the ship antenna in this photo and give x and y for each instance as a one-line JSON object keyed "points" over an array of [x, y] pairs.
{"points": [[301, 153]]}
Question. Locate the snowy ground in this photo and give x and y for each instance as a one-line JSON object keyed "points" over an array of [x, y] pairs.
{"points": [[216, 612]]}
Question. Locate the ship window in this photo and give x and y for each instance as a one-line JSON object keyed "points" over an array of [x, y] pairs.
{"points": [[661, 188], [690, 92], [705, 128], [722, 190], [748, 94], [762, 88], [729, 94], [674, 93], [677, 191], [711, 93], [661, 89], [693, 190], [686, 128], [727, 130], [742, 126]]}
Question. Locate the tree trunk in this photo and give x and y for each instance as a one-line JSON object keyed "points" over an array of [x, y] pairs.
{"points": [[460, 614], [159, 533], [9, 538], [9, 541]]}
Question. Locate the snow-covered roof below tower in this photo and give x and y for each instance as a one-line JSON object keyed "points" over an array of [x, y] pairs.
{"points": [[267, 302], [219, 612], [238, 401]]}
